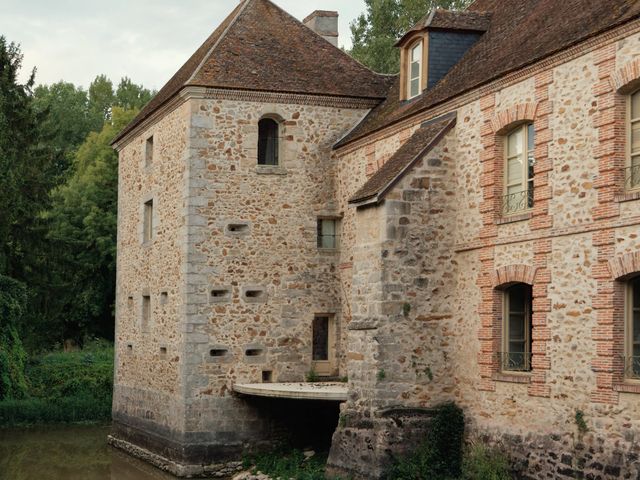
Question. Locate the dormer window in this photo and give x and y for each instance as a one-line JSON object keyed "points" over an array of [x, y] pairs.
{"points": [[415, 70]]}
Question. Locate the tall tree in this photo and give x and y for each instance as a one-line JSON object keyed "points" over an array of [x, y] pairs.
{"points": [[375, 32], [65, 122], [82, 227], [130, 96]]}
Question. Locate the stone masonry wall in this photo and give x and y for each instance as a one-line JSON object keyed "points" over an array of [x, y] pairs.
{"points": [[254, 228], [149, 358], [582, 223]]}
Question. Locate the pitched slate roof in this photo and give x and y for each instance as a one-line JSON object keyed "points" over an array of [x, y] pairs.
{"points": [[420, 144], [261, 47], [521, 32], [451, 20]]}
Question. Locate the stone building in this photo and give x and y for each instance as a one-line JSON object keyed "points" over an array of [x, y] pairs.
{"points": [[467, 231]]}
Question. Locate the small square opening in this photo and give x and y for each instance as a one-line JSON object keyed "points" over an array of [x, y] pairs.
{"points": [[164, 297], [267, 376], [129, 348], [163, 350]]}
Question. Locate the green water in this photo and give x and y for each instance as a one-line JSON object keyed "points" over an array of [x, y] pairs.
{"points": [[68, 453]]}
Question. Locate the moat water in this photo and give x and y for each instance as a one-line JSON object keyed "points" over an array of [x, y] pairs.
{"points": [[68, 453]]}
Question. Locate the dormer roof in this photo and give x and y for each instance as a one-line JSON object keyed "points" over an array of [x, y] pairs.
{"points": [[440, 19], [261, 47]]}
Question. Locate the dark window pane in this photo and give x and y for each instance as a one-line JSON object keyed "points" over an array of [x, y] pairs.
{"points": [[267, 142], [516, 327], [321, 339]]}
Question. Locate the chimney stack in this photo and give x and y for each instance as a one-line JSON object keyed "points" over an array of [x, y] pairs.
{"points": [[325, 24]]}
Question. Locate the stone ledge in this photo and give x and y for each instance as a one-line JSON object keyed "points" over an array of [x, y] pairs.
{"points": [[364, 325], [627, 388], [627, 197], [270, 170], [510, 378], [514, 218]]}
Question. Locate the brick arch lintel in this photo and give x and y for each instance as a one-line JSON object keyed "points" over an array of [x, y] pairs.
{"points": [[626, 79], [506, 119], [511, 274], [624, 266]]}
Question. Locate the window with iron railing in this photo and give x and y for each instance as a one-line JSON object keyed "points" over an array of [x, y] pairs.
{"points": [[632, 330], [517, 329], [519, 170]]}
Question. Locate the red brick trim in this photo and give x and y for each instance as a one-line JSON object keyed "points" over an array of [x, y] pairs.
{"points": [[505, 276], [624, 266], [627, 388], [503, 121], [626, 79]]}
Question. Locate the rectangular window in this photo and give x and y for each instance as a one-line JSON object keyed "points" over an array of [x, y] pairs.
{"points": [[148, 222], [148, 152], [146, 312], [328, 233], [323, 345], [517, 329], [632, 174], [633, 329], [415, 70], [519, 170]]}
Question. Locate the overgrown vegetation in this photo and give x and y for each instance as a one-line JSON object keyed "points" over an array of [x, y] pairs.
{"points": [[284, 463], [442, 457], [64, 387]]}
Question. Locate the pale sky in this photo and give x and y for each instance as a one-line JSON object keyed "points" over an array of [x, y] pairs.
{"points": [[146, 40]]}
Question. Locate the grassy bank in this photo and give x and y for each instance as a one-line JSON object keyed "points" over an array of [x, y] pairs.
{"points": [[64, 387]]}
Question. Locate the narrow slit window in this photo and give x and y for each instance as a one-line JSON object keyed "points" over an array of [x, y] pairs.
{"points": [[148, 152], [632, 176], [633, 330], [253, 352], [148, 222], [519, 170], [517, 329], [146, 312], [217, 352], [415, 70], [328, 233], [268, 142]]}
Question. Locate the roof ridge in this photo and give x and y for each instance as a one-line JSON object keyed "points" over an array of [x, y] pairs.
{"points": [[207, 55], [337, 48]]}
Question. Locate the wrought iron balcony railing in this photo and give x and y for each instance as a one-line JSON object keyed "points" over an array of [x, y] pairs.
{"points": [[632, 178], [517, 202], [515, 361], [632, 367]]}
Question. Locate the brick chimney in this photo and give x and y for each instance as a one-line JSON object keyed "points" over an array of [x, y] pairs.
{"points": [[325, 24]]}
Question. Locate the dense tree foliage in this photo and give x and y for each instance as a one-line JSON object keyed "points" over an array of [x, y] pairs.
{"points": [[375, 32], [58, 190]]}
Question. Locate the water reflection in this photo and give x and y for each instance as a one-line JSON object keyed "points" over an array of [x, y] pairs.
{"points": [[68, 453]]}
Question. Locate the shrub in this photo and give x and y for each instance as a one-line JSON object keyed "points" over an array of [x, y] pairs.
{"points": [[481, 463], [13, 299], [288, 463], [439, 457]]}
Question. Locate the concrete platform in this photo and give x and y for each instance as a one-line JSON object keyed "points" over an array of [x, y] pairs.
{"points": [[335, 392]]}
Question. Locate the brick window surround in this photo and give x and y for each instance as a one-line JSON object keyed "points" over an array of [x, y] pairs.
{"points": [[491, 333], [496, 123], [609, 334]]}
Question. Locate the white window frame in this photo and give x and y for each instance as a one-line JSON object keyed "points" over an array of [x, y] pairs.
{"points": [[410, 62], [526, 180]]}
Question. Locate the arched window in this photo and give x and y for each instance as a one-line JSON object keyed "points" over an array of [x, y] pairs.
{"points": [[632, 329], [414, 75], [519, 170], [517, 328], [632, 176], [268, 142]]}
